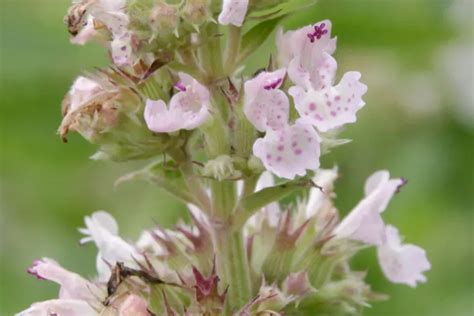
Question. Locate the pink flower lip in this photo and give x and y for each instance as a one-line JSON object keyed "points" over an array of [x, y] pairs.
{"points": [[32, 270], [180, 86], [273, 85]]}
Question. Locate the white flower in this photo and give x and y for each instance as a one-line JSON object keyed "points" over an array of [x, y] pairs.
{"points": [[364, 222], [102, 229], [402, 263], [289, 151]]}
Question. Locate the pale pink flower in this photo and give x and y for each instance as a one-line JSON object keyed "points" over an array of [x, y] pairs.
{"points": [[265, 105], [188, 108], [289, 151], [364, 222], [233, 12], [101, 228], [82, 90], [402, 263], [122, 51], [60, 307], [133, 305], [304, 42]]}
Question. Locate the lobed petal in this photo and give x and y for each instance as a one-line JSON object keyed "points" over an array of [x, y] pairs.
{"points": [[402, 263], [289, 151], [331, 107]]}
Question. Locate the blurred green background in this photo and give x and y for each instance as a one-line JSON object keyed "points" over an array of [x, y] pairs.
{"points": [[416, 57]]}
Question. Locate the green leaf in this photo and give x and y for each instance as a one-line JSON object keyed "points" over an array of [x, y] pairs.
{"points": [[254, 202], [282, 9], [256, 36]]}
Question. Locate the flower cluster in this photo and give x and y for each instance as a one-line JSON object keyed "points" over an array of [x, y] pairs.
{"points": [[232, 147]]}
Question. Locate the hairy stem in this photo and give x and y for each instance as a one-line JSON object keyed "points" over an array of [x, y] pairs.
{"points": [[232, 260]]}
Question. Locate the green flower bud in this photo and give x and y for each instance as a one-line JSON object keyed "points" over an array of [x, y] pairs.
{"points": [[196, 12]]}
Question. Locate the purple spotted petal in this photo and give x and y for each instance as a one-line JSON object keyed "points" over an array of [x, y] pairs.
{"points": [[333, 106], [289, 151]]}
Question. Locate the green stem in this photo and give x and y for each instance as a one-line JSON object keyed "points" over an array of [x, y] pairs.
{"points": [[232, 263], [195, 186]]}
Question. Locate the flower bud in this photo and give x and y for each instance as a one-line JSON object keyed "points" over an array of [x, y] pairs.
{"points": [[164, 18], [221, 168]]}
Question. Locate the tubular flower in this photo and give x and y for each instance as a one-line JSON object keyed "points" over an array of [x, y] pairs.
{"points": [[364, 222], [188, 109]]}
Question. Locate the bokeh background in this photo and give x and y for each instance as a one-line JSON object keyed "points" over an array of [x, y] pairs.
{"points": [[416, 57]]}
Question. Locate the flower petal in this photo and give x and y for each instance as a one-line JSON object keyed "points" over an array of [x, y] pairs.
{"points": [[103, 230], [289, 151], [333, 106], [264, 105], [233, 12], [402, 263]]}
